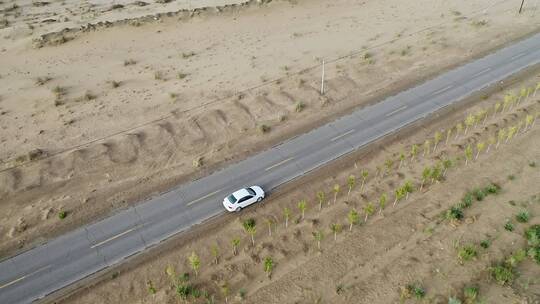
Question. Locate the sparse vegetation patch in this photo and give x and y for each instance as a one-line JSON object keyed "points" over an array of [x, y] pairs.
{"points": [[129, 62], [62, 214], [299, 107], [42, 80], [467, 253], [264, 128], [188, 54], [181, 75]]}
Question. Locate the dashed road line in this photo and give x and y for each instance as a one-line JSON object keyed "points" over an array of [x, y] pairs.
{"points": [[481, 72], [395, 111], [278, 164], [113, 237], [342, 135], [442, 90], [203, 197], [24, 277], [518, 56]]}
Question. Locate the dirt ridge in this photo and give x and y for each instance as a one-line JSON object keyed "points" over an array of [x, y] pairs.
{"points": [[67, 34]]}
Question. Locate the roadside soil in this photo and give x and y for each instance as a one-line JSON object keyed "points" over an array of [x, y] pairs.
{"points": [[410, 243], [112, 116]]}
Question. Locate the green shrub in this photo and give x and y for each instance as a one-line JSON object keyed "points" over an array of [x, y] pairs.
{"points": [[479, 194], [523, 216], [411, 290], [467, 253], [184, 290], [242, 294], [534, 253], [418, 291], [511, 177], [503, 274], [249, 223], [470, 294], [533, 235], [454, 213], [196, 293], [516, 258], [485, 244], [532, 164], [62, 214], [492, 188], [509, 226], [467, 200]]}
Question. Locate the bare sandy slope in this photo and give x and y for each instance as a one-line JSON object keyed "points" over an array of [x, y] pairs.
{"points": [[28, 20], [410, 243], [188, 71]]}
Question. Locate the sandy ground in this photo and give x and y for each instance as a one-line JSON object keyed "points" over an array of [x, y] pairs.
{"points": [[30, 19], [207, 80], [410, 243]]}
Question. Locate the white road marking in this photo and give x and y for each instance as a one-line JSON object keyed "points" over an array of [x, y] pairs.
{"points": [[278, 164], [113, 237], [203, 197], [518, 56], [395, 111], [24, 277], [481, 72], [344, 134], [442, 90]]}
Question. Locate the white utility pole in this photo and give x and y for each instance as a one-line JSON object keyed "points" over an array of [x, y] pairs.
{"points": [[322, 79]]}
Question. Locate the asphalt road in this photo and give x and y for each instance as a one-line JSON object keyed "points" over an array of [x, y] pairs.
{"points": [[40, 271]]}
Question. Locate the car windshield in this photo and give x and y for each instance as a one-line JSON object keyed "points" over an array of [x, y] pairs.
{"points": [[250, 191], [231, 199]]}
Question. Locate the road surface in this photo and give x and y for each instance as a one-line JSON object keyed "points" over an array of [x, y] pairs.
{"points": [[62, 261]]}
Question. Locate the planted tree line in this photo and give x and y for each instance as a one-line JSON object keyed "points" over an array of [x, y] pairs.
{"points": [[432, 172]]}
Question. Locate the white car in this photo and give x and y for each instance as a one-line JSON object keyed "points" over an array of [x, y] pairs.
{"points": [[243, 198]]}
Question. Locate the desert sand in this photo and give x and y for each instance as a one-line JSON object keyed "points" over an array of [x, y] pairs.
{"points": [[101, 116], [105, 104]]}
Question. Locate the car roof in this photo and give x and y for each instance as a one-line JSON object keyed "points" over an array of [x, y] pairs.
{"points": [[241, 193]]}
